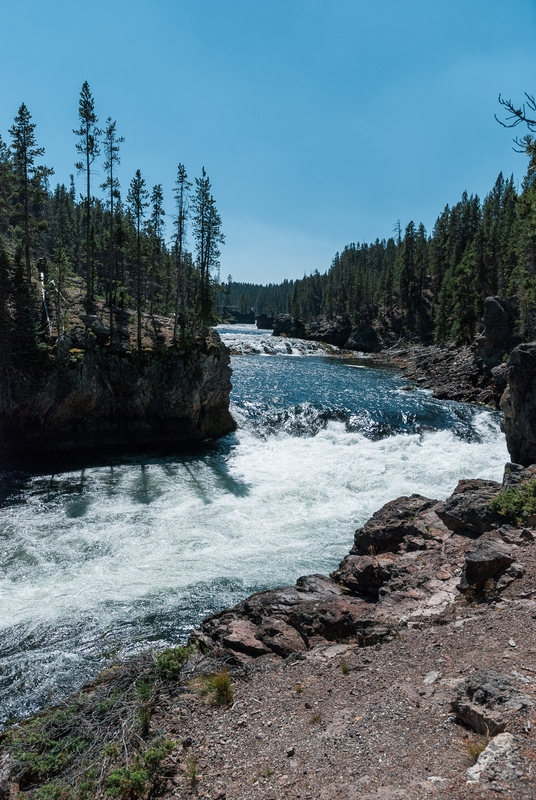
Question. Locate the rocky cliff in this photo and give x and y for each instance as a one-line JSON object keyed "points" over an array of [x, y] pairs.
{"points": [[97, 399], [519, 404]]}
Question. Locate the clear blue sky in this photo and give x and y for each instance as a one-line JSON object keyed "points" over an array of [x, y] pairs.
{"points": [[319, 123]]}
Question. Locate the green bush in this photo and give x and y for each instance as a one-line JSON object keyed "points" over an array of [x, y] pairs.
{"points": [[171, 661], [129, 783], [517, 502]]}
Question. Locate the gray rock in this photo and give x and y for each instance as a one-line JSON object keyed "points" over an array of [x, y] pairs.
{"points": [[514, 474], [486, 700], [467, 510], [485, 561], [518, 403], [499, 748], [498, 376]]}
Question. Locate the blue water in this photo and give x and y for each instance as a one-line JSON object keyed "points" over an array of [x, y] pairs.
{"points": [[99, 563]]}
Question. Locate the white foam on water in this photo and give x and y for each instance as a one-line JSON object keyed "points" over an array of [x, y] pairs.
{"points": [[266, 512], [247, 340]]}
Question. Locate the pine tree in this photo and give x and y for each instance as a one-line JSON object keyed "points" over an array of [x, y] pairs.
{"points": [[208, 237], [182, 188], [138, 200], [111, 144], [156, 229], [7, 179], [28, 176], [60, 269], [5, 316], [89, 149]]}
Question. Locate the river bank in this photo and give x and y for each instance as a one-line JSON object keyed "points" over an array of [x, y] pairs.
{"points": [[417, 581], [386, 681]]}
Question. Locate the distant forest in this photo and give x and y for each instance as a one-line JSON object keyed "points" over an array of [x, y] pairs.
{"points": [[412, 284], [114, 242], [430, 286]]}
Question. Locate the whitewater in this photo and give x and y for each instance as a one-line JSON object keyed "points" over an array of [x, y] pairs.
{"points": [[98, 564]]}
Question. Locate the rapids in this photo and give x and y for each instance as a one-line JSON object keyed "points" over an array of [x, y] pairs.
{"points": [[103, 562]]}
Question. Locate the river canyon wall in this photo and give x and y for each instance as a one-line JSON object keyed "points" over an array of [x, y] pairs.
{"points": [[97, 400]]}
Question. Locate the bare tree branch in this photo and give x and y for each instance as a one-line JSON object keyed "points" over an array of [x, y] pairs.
{"points": [[516, 116]]}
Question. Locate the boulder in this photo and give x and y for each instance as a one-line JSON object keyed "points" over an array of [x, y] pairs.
{"points": [[518, 404], [285, 325], [492, 757], [498, 376], [365, 339], [264, 322], [467, 510], [364, 575], [280, 638], [240, 635], [514, 474], [386, 529], [335, 331], [484, 562], [486, 700]]}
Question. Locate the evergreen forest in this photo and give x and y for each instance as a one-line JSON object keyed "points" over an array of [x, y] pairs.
{"points": [[112, 245], [109, 242], [427, 286]]}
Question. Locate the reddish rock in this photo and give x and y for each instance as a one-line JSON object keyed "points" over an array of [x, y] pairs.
{"points": [[386, 529]]}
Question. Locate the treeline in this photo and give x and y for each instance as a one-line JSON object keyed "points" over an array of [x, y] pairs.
{"points": [[114, 241], [428, 286]]}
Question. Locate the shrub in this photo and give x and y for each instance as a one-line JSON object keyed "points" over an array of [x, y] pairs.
{"points": [[129, 783], [171, 661], [516, 502]]}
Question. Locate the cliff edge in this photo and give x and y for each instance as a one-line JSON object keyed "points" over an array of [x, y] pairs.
{"points": [[94, 398]]}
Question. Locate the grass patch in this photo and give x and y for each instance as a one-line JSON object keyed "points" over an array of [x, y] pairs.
{"points": [[517, 502], [345, 669], [219, 686], [474, 747], [315, 719]]}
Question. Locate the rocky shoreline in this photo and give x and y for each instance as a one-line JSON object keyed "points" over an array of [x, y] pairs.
{"points": [[410, 672], [385, 680]]}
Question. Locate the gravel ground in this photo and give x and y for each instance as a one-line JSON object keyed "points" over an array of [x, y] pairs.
{"points": [[341, 722]]}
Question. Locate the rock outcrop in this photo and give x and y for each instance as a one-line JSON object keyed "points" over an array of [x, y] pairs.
{"points": [[97, 400], [264, 322], [499, 335], [338, 332], [519, 404], [286, 325], [485, 700], [409, 564]]}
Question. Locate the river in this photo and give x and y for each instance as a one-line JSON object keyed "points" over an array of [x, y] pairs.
{"points": [[101, 563]]}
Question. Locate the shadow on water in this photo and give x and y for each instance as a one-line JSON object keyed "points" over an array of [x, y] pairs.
{"points": [[74, 488]]}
